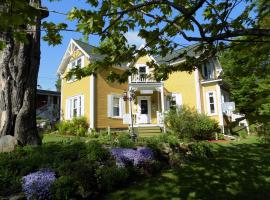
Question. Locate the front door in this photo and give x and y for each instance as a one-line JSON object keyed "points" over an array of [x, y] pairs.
{"points": [[144, 111]]}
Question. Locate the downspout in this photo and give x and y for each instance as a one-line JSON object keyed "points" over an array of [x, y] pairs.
{"points": [[198, 91], [92, 102]]}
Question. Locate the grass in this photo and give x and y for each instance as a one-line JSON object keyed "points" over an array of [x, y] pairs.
{"points": [[59, 138], [240, 171]]}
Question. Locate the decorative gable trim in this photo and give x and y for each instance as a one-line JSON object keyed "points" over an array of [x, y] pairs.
{"points": [[66, 58]]}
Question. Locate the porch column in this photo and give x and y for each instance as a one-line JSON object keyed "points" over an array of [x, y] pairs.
{"points": [[162, 99]]}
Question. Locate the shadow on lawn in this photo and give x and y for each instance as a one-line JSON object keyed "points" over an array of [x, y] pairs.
{"points": [[239, 171]]}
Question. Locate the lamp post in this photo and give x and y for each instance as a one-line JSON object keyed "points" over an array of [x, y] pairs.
{"points": [[130, 96]]}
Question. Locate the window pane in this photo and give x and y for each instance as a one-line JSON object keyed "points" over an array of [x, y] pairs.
{"points": [[142, 69], [211, 99], [79, 62], [116, 106], [73, 64], [116, 111], [144, 107], [212, 108]]}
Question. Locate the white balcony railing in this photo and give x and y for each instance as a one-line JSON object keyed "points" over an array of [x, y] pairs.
{"points": [[141, 78]]}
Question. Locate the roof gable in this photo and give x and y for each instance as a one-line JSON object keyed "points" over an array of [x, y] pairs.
{"points": [[85, 48]]}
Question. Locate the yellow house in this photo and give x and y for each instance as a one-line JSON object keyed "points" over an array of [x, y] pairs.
{"points": [[103, 103]]}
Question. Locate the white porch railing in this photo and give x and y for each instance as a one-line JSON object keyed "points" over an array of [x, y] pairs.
{"points": [[141, 78], [160, 117]]}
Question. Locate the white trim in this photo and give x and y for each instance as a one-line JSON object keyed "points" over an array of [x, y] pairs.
{"points": [[162, 99], [148, 98], [208, 103], [181, 61], [198, 91], [69, 112], [84, 52], [221, 123], [76, 62], [110, 106], [92, 102], [61, 100], [211, 81], [61, 67]]}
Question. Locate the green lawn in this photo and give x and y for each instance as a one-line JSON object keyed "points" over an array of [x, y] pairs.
{"points": [[240, 171], [59, 138]]}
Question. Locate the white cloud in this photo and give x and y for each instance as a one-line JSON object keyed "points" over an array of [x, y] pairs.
{"points": [[134, 39]]}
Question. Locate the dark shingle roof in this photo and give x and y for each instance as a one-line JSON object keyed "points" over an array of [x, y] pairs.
{"points": [[89, 49], [176, 55]]}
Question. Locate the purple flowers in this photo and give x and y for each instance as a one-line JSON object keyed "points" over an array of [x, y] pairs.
{"points": [[124, 156], [37, 185]]}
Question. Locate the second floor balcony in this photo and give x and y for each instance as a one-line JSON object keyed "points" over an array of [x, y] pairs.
{"points": [[142, 78]]}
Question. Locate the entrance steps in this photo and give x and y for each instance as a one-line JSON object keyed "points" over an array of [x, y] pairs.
{"points": [[148, 131]]}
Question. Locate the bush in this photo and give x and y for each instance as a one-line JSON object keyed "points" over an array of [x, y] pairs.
{"points": [[124, 140], [37, 185], [77, 126], [167, 148], [188, 124], [201, 150], [263, 131]]}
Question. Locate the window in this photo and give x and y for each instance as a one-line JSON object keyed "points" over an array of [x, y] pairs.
{"points": [[208, 71], [116, 106], [75, 63], [211, 103], [75, 107], [174, 101], [142, 72]]}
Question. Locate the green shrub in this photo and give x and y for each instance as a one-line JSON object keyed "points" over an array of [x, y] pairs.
{"points": [[166, 147], [263, 131], [77, 126], [124, 140], [65, 188], [111, 177], [201, 150], [188, 124]]}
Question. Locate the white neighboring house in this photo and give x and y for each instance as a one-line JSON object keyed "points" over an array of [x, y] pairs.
{"points": [[48, 105]]}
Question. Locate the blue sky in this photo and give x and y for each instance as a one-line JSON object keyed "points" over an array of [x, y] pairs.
{"points": [[51, 55]]}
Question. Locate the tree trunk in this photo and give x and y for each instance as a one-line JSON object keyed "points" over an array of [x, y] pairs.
{"points": [[19, 65]]}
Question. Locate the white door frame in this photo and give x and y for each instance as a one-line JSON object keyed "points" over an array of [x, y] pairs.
{"points": [[148, 98]]}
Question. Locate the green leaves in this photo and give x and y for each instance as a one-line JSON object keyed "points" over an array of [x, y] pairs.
{"points": [[53, 36], [247, 71]]}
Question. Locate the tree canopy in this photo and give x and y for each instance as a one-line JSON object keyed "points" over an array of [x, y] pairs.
{"points": [[247, 71], [167, 26]]}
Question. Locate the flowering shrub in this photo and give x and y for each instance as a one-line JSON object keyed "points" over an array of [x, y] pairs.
{"points": [[124, 156], [37, 185]]}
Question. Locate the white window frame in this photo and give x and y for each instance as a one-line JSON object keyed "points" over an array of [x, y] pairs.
{"points": [[178, 100], [71, 66], [70, 106], [122, 106], [208, 103]]}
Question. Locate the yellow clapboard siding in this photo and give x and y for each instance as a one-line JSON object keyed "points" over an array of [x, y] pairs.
{"points": [[103, 89], [183, 83], [78, 87]]}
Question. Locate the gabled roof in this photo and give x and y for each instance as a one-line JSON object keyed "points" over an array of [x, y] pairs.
{"points": [[87, 49], [175, 57]]}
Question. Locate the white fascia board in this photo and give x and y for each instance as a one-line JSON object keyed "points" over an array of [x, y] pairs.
{"points": [[66, 56], [211, 81]]}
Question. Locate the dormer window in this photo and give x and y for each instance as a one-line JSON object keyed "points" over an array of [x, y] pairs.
{"points": [[208, 71], [76, 63], [142, 72], [73, 64]]}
